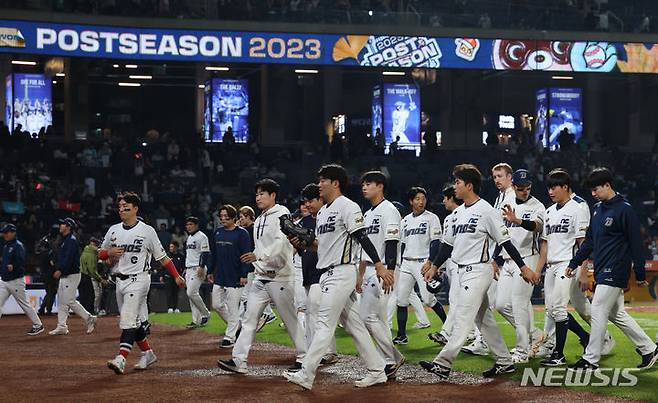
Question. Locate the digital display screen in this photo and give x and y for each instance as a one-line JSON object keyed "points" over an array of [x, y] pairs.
{"points": [[541, 117], [377, 120], [402, 114], [8, 102], [32, 102], [565, 112], [229, 109]]}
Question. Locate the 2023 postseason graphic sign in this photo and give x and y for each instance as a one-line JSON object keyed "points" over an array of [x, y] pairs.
{"points": [[325, 49]]}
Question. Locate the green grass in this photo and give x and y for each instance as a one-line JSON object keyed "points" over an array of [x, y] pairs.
{"points": [[421, 348]]}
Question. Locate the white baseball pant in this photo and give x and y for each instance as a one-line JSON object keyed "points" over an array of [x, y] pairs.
{"points": [[513, 301], [68, 285], [226, 301], [245, 294], [338, 300], [194, 277], [608, 304], [16, 288], [98, 294], [131, 300], [372, 309], [473, 306], [313, 297], [557, 287], [453, 277], [260, 295], [414, 301], [300, 292], [409, 276]]}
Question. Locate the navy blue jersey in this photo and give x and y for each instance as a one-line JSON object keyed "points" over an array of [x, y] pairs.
{"points": [[614, 241], [226, 248], [309, 258], [13, 253], [68, 260]]}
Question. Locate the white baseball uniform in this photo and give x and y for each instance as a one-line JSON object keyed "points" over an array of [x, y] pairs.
{"points": [[514, 293], [453, 293], [382, 224], [195, 274], [274, 278], [139, 243], [472, 230], [336, 221]]}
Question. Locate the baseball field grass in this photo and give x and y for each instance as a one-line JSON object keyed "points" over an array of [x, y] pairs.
{"points": [[421, 348]]}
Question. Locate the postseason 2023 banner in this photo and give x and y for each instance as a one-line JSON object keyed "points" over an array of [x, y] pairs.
{"points": [[31, 100], [325, 49], [226, 108]]}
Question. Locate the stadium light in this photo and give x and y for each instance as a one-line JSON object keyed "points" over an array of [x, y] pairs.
{"points": [[116, 66], [60, 75], [54, 81], [306, 71], [131, 66], [24, 62], [141, 77], [562, 77], [216, 68], [201, 86], [130, 85], [393, 73]]}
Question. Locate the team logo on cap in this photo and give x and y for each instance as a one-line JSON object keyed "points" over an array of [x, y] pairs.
{"points": [[467, 48], [12, 38]]}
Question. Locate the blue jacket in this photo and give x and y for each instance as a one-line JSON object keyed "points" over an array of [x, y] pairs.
{"points": [[614, 240], [13, 253], [226, 249], [310, 273], [68, 259]]}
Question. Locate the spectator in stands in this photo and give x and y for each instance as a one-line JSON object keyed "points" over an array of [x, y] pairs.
{"points": [[393, 147], [178, 235], [228, 139], [484, 21], [171, 288], [173, 151], [163, 235]]}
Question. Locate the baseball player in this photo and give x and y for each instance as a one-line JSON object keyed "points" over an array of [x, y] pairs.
{"points": [[273, 280], [68, 273], [502, 177], [474, 226], [382, 222], [614, 240], [420, 238], [12, 275], [197, 255], [564, 231], [339, 224], [228, 273], [311, 275], [300, 292], [129, 247], [525, 221], [450, 202]]}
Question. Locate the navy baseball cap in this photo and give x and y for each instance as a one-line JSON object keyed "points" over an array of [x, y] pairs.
{"points": [[68, 221], [521, 178], [8, 228]]}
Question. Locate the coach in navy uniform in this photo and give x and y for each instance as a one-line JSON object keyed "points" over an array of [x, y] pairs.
{"points": [[12, 272], [614, 240]]}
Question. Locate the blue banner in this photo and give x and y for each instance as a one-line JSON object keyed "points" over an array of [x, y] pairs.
{"points": [[8, 102], [541, 117], [376, 112], [402, 114], [32, 103], [565, 114], [229, 109], [44, 38]]}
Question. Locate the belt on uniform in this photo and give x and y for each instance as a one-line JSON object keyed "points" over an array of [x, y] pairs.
{"points": [[125, 277], [326, 269], [461, 266], [414, 259]]}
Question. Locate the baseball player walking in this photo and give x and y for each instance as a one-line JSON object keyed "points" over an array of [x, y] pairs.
{"points": [[525, 221], [12, 275], [68, 273], [420, 238], [129, 246], [340, 223], [450, 202], [228, 273], [273, 280], [565, 227], [197, 255], [474, 225], [382, 222], [614, 240]]}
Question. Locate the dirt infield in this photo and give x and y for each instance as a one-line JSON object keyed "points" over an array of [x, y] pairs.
{"points": [[72, 368]]}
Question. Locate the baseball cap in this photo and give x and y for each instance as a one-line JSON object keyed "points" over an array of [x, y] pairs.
{"points": [[521, 177], [68, 221], [192, 219], [8, 228], [95, 240]]}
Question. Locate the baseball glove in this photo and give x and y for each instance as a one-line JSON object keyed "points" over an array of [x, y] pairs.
{"points": [[305, 235]]}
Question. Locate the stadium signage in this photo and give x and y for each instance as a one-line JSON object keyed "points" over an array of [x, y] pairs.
{"points": [[44, 38]]}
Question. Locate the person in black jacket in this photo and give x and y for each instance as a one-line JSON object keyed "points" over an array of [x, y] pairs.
{"points": [[613, 239], [68, 273], [47, 250], [171, 288], [12, 273]]}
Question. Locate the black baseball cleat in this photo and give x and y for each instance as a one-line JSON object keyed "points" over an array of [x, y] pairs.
{"points": [[36, 329], [583, 365], [204, 321], [297, 366], [392, 369], [438, 370], [231, 366], [401, 340], [499, 369], [555, 360], [648, 360], [437, 337], [226, 344], [191, 325]]}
